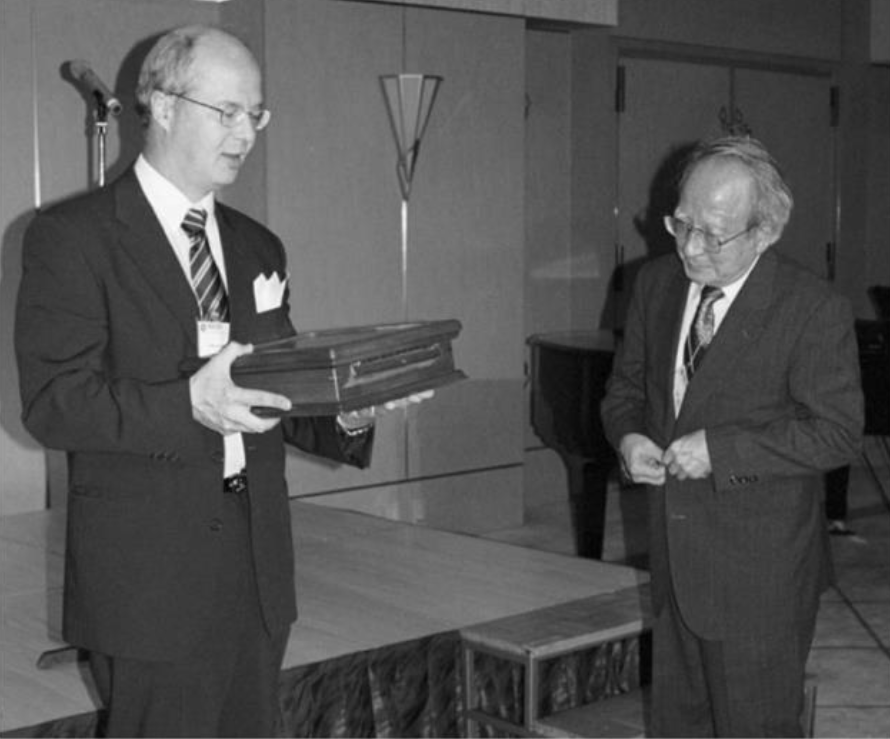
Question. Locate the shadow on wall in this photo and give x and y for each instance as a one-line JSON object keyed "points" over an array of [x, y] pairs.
{"points": [[663, 197], [10, 272], [128, 124], [130, 131]]}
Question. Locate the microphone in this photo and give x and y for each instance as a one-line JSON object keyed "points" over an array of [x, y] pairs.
{"points": [[82, 72]]}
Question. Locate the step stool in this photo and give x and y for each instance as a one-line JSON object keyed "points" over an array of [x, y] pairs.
{"points": [[528, 639], [626, 715]]}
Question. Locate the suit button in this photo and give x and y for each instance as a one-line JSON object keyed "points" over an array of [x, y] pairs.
{"points": [[218, 456], [216, 525]]}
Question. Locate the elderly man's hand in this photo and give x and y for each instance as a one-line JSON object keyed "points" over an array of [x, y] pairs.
{"points": [[688, 457], [641, 459]]}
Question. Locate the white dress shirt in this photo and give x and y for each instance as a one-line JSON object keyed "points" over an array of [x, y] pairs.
{"points": [[721, 307], [170, 207]]}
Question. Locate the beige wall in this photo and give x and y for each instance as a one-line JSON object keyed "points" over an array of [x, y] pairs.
{"points": [[333, 196]]}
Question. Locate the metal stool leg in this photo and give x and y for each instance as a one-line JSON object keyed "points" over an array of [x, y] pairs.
{"points": [[470, 727]]}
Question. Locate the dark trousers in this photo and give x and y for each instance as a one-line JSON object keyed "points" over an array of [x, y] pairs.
{"points": [[836, 483], [228, 686], [745, 685]]}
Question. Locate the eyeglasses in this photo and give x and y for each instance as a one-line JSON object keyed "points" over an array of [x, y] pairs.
{"points": [[232, 115], [682, 231]]}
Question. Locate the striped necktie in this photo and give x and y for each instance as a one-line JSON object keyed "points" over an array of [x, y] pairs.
{"points": [[701, 331], [206, 279]]}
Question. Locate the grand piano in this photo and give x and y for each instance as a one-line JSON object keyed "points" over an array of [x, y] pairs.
{"points": [[568, 380]]}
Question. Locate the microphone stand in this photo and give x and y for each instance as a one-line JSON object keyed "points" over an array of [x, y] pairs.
{"points": [[100, 127]]}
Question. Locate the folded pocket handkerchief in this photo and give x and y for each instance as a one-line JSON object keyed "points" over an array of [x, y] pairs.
{"points": [[268, 292]]}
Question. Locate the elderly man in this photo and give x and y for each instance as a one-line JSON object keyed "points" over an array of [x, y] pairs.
{"points": [[736, 386], [180, 574]]}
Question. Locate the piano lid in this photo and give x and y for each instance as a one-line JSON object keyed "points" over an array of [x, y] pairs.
{"points": [[576, 341]]}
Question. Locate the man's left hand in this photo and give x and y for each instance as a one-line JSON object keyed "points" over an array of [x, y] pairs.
{"points": [[688, 457], [365, 416]]}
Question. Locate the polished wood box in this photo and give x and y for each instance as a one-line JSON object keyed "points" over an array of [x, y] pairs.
{"points": [[337, 370]]}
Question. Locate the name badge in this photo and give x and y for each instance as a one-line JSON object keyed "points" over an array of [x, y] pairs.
{"points": [[212, 336]]}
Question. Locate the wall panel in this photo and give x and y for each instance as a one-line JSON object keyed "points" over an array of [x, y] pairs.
{"points": [[334, 198], [22, 459]]}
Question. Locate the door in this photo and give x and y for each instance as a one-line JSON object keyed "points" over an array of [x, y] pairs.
{"points": [[791, 115], [667, 106]]}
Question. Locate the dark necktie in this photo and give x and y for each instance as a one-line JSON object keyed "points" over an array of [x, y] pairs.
{"points": [[206, 279], [701, 331]]}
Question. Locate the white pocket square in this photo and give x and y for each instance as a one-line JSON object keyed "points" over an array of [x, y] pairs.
{"points": [[268, 292]]}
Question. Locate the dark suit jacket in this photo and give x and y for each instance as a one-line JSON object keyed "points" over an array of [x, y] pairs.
{"points": [[779, 397], [105, 318]]}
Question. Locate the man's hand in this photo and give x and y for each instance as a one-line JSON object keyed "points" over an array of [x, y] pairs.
{"points": [[408, 401], [688, 457], [222, 406], [363, 417], [641, 459]]}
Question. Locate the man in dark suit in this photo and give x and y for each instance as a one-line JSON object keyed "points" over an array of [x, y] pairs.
{"points": [[730, 413], [179, 569]]}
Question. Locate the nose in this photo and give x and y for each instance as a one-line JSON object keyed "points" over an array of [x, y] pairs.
{"points": [[245, 131], [695, 236]]}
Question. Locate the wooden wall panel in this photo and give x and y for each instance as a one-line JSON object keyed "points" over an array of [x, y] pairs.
{"points": [[466, 257], [334, 198]]}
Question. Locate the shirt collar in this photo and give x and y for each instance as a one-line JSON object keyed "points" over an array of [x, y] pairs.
{"points": [[167, 199], [732, 289]]}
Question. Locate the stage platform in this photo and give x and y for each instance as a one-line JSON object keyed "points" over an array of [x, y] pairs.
{"points": [[376, 646]]}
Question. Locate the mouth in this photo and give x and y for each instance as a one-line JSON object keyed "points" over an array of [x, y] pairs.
{"points": [[697, 267]]}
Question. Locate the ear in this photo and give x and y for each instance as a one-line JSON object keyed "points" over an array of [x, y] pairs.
{"points": [[162, 108], [766, 235]]}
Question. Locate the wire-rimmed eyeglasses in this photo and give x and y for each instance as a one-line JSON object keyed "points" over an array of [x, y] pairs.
{"points": [[232, 114], [682, 231]]}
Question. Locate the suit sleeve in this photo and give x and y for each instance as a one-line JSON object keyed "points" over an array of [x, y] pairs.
{"points": [[72, 396], [323, 437], [623, 409], [818, 426]]}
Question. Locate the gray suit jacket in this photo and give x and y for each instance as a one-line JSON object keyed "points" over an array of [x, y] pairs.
{"points": [[779, 397]]}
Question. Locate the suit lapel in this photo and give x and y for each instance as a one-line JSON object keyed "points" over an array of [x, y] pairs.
{"points": [[668, 324], [143, 238], [241, 268], [741, 327]]}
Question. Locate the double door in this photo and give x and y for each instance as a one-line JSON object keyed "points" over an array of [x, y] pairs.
{"points": [[667, 104]]}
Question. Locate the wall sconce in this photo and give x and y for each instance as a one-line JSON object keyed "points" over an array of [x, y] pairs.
{"points": [[409, 102]]}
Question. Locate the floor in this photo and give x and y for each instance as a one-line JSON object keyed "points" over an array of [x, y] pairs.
{"points": [[851, 652]]}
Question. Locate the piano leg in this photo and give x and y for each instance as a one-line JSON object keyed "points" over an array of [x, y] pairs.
{"points": [[588, 482]]}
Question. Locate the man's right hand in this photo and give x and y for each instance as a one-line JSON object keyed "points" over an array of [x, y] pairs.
{"points": [[641, 459], [222, 406]]}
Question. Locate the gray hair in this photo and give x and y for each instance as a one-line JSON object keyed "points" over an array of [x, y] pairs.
{"points": [[774, 201]]}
